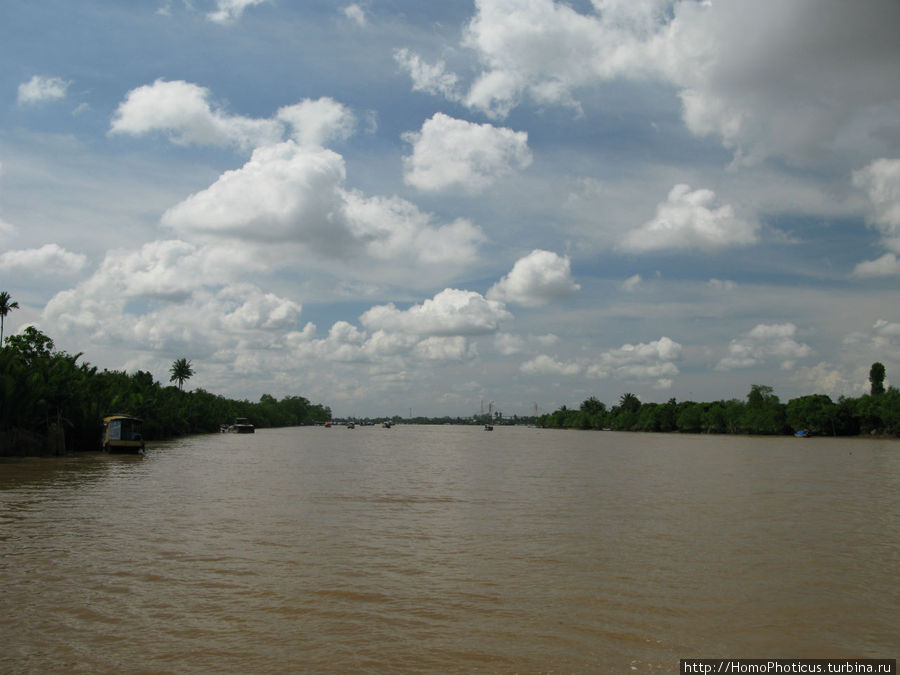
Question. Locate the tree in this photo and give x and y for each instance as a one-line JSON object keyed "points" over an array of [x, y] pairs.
{"points": [[630, 402], [5, 307], [876, 377], [181, 371], [31, 345]]}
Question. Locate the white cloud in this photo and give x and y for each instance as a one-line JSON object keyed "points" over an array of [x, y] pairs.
{"points": [[451, 312], [886, 333], [183, 111], [690, 219], [827, 378], [543, 50], [547, 365], [284, 192], [796, 80], [6, 230], [508, 344], [453, 349], [881, 182], [449, 152], [316, 122], [41, 89], [886, 266], [228, 11], [721, 284], [764, 343], [632, 283], [49, 259], [396, 231], [431, 79], [537, 279], [356, 14], [294, 195], [645, 361]]}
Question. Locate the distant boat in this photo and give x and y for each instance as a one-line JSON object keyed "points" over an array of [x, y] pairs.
{"points": [[803, 433], [350, 425], [387, 424], [242, 426], [488, 427], [122, 433]]}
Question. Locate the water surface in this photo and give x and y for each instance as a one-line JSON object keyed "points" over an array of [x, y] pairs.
{"points": [[449, 549]]}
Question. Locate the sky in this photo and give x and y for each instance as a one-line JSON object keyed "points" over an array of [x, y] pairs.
{"points": [[396, 206]]}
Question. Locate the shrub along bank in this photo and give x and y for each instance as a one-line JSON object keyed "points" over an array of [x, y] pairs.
{"points": [[51, 404]]}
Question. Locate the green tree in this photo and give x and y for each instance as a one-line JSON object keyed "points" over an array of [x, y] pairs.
{"points": [[816, 412], [764, 413], [5, 307], [181, 371], [876, 377], [31, 345]]}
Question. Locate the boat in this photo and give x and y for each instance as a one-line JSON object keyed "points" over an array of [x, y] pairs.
{"points": [[387, 424], [803, 433], [351, 425], [242, 426], [122, 434], [488, 427], [328, 424]]}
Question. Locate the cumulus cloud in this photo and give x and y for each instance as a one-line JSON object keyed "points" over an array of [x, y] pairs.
{"points": [[881, 182], [886, 333], [284, 192], [645, 361], [356, 14], [428, 78], [547, 365], [449, 152], [169, 296], [48, 259], [40, 89], [689, 219], [543, 50], [451, 312], [288, 193], [537, 279], [766, 342], [886, 266], [316, 122], [395, 230], [183, 111], [797, 80], [228, 11]]}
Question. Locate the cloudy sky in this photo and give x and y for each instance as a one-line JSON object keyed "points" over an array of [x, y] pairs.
{"points": [[387, 205]]}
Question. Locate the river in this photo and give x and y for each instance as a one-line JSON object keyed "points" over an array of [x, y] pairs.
{"points": [[449, 549]]}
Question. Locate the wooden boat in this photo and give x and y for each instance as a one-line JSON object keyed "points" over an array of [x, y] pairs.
{"points": [[122, 433]]}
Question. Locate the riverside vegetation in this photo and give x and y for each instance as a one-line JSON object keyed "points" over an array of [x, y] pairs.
{"points": [[51, 404], [762, 413]]}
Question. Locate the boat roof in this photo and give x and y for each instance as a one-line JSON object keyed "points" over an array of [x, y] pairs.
{"points": [[120, 416]]}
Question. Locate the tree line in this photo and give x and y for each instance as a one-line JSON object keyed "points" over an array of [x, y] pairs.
{"points": [[50, 401], [877, 412]]}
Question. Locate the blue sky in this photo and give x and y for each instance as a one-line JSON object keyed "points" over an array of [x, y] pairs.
{"points": [[391, 204]]}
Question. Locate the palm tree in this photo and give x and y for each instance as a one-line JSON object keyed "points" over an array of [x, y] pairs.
{"points": [[181, 370], [5, 307]]}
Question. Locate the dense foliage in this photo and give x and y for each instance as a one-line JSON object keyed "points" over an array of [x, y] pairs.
{"points": [[761, 413], [46, 392]]}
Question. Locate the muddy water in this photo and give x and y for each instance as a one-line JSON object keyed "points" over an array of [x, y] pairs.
{"points": [[449, 549]]}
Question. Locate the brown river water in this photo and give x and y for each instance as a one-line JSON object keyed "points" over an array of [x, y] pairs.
{"points": [[449, 549]]}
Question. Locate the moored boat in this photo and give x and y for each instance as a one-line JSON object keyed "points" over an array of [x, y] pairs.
{"points": [[242, 426], [123, 434]]}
